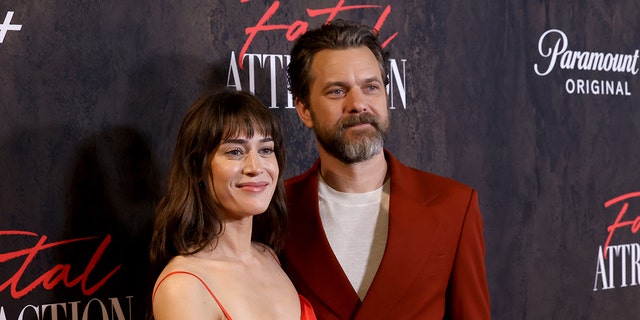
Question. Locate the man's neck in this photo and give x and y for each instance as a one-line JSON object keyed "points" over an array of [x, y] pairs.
{"points": [[357, 177]]}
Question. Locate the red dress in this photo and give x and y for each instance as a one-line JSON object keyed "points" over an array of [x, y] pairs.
{"points": [[305, 307]]}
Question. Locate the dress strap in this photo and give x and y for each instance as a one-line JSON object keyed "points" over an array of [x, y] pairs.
{"points": [[306, 310], [203, 283]]}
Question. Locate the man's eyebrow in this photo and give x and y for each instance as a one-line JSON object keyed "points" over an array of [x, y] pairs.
{"points": [[334, 84], [345, 84], [372, 79]]}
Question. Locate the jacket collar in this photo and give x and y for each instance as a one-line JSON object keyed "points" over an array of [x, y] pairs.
{"points": [[404, 255]]}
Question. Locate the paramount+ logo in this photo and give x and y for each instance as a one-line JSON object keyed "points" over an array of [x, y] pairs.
{"points": [[555, 51]]}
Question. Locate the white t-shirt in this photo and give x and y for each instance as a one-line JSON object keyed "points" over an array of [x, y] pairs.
{"points": [[356, 225]]}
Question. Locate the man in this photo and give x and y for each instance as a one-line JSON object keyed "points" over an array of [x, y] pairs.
{"points": [[370, 238]]}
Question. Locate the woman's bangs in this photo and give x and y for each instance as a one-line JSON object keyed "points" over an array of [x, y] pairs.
{"points": [[244, 124]]}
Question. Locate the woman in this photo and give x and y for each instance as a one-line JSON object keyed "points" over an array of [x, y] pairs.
{"points": [[223, 213]]}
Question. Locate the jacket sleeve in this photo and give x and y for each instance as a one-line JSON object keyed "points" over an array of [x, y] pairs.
{"points": [[467, 291]]}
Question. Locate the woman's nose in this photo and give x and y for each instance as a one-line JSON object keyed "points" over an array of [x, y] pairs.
{"points": [[252, 164]]}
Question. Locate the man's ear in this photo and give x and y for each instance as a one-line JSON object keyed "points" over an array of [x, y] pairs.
{"points": [[304, 113]]}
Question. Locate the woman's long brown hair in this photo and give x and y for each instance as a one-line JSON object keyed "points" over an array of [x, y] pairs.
{"points": [[186, 219]]}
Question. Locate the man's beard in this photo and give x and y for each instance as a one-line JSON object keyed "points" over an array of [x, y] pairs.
{"points": [[359, 145]]}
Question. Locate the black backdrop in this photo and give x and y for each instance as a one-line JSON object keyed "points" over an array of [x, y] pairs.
{"points": [[92, 93]]}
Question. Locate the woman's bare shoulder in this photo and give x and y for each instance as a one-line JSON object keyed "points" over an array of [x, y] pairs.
{"points": [[181, 292]]}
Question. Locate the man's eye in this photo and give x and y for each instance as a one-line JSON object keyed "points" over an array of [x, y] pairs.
{"points": [[372, 88], [336, 92]]}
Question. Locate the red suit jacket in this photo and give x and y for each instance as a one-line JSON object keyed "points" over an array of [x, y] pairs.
{"points": [[433, 265]]}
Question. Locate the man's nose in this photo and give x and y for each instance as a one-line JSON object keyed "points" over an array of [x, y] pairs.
{"points": [[357, 101]]}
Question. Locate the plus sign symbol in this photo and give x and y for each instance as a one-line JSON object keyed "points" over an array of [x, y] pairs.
{"points": [[7, 26]]}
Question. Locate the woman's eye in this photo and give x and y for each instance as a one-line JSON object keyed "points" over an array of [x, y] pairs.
{"points": [[234, 152], [267, 151]]}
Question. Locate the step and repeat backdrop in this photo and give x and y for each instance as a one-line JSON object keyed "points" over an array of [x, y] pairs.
{"points": [[533, 103]]}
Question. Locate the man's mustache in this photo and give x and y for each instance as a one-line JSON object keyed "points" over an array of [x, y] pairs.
{"points": [[354, 120]]}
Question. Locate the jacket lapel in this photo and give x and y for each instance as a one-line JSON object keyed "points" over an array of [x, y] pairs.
{"points": [[321, 268], [406, 252]]}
